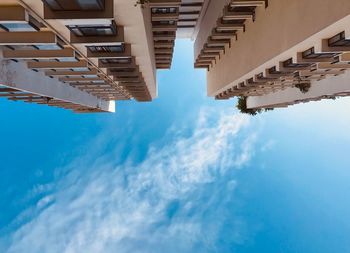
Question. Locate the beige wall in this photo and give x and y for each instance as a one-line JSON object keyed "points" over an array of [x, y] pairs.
{"points": [[137, 32], [40, 84], [340, 84], [214, 10], [284, 24]]}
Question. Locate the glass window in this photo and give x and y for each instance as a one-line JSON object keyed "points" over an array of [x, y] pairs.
{"points": [[126, 70], [310, 54], [91, 4], [90, 76], [18, 27], [22, 47], [94, 30], [113, 49], [339, 40], [164, 33], [75, 5], [117, 60], [49, 47], [242, 8], [164, 22], [67, 59], [81, 69], [234, 21], [54, 5], [163, 10], [289, 64]]}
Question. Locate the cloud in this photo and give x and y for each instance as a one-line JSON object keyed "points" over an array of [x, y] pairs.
{"points": [[268, 145], [175, 200]]}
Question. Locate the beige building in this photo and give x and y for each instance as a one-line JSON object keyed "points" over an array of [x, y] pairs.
{"points": [[275, 53], [86, 54]]}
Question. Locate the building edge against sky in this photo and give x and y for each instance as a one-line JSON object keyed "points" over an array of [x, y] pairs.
{"points": [[277, 52], [85, 55]]}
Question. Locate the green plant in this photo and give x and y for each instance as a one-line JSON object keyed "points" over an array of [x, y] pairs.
{"points": [[303, 86], [242, 107]]}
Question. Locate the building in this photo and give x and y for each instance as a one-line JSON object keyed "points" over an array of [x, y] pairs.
{"points": [[275, 53], [86, 54]]}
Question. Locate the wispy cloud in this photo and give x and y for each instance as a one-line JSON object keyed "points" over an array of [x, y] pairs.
{"points": [[170, 202], [268, 145]]}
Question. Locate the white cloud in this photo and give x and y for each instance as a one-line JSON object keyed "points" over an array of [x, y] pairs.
{"points": [[44, 201], [268, 145], [101, 207]]}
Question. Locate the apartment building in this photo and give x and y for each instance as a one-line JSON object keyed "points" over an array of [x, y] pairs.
{"points": [[85, 55], [275, 53]]}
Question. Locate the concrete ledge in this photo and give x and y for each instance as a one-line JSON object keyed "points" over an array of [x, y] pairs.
{"points": [[17, 75], [332, 86]]}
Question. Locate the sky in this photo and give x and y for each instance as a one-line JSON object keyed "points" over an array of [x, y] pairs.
{"points": [[184, 173]]}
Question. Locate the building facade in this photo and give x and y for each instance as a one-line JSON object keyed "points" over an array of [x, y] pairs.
{"points": [[275, 53], [84, 55]]}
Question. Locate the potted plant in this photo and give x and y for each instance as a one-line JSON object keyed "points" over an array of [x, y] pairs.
{"points": [[304, 87], [242, 107]]}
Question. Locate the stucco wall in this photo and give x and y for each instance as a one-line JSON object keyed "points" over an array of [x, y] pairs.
{"points": [[284, 24]]}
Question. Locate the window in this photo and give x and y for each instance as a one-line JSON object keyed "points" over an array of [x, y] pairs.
{"points": [[125, 70], [80, 69], [289, 64], [160, 33], [338, 40], [53, 4], [75, 5], [94, 30], [117, 60], [30, 26], [48, 47], [310, 54], [246, 9], [164, 22], [22, 47], [163, 10], [233, 21], [90, 76], [67, 59], [102, 49], [273, 70], [91, 4], [54, 46], [17, 27], [250, 81]]}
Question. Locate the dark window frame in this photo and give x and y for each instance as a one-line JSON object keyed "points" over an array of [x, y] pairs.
{"points": [[85, 30], [75, 5]]}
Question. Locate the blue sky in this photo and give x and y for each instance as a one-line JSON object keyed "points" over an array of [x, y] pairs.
{"points": [[184, 173]]}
